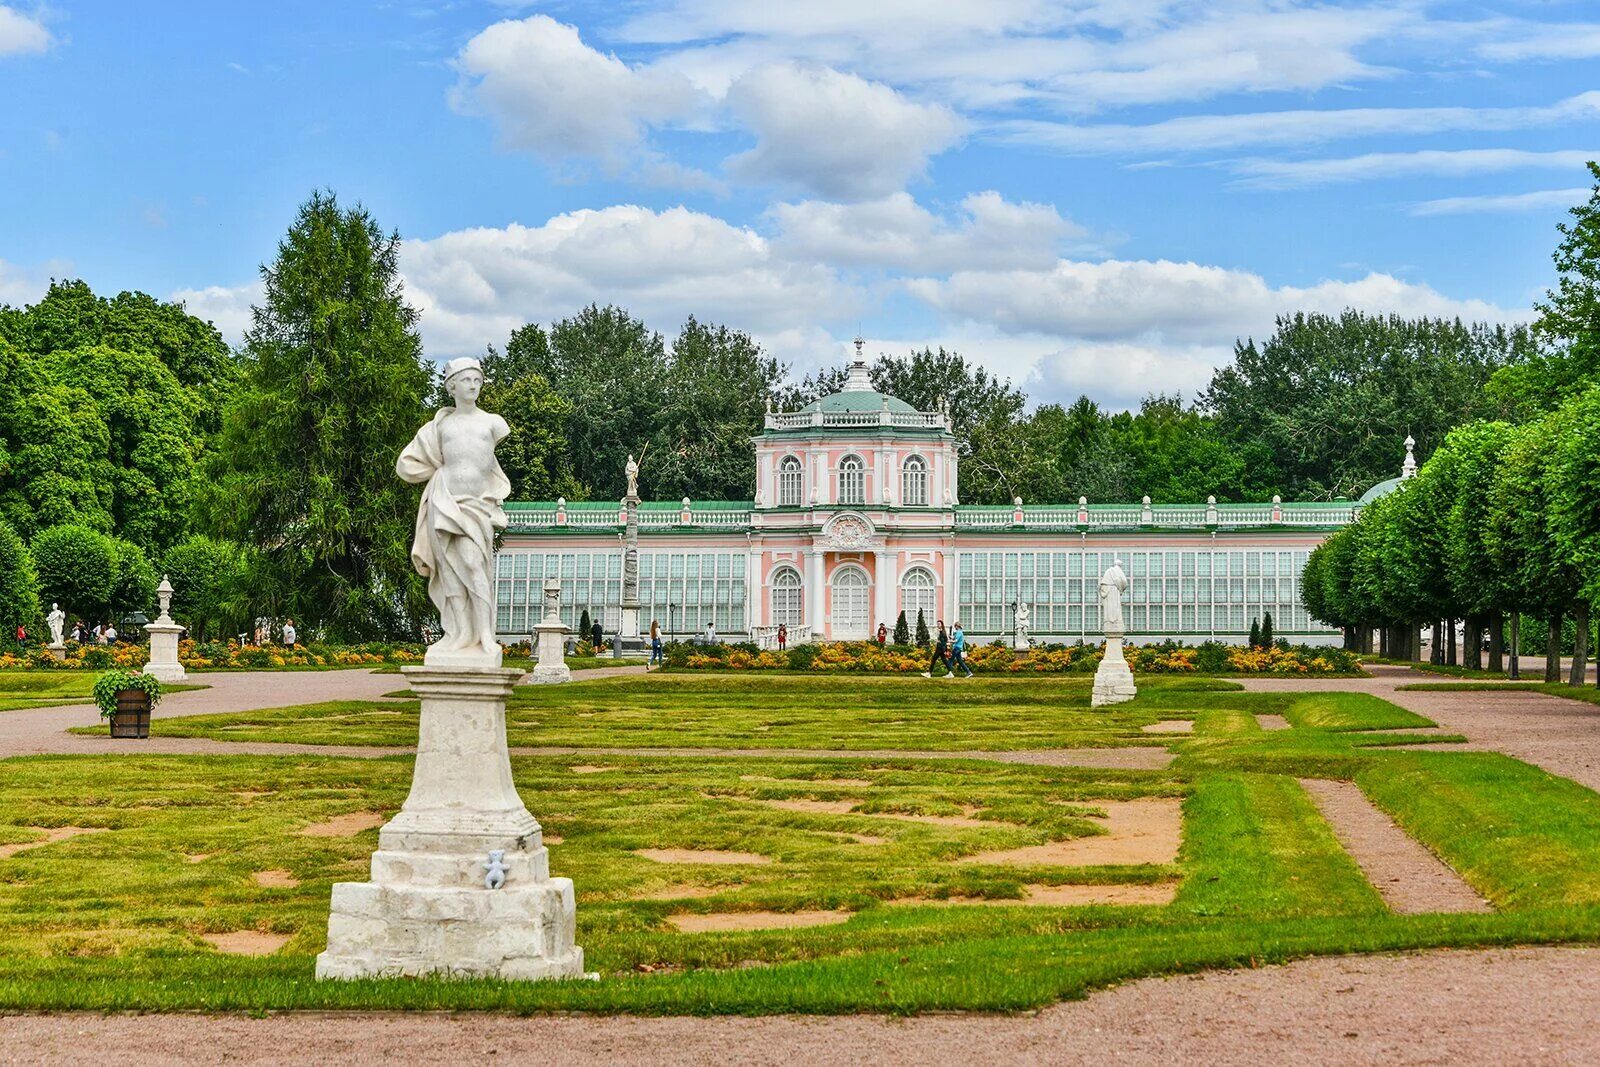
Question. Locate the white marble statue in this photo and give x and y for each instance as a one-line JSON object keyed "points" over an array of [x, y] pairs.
{"points": [[1113, 583], [633, 476], [1023, 617], [57, 621], [454, 542]]}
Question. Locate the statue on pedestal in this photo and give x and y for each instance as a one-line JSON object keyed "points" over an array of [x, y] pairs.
{"points": [[57, 621], [460, 885], [1113, 680], [454, 542], [1023, 617], [632, 470]]}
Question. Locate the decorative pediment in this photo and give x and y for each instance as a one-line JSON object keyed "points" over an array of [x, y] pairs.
{"points": [[847, 531]]}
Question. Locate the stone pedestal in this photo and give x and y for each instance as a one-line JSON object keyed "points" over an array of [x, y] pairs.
{"points": [[59, 651], [552, 666], [1113, 681], [461, 880], [164, 651]]}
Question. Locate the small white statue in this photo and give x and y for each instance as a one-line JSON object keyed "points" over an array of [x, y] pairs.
{"points": [[453, 545], [633, 476], [57, 621], [1113, 583], [1023, 617]]}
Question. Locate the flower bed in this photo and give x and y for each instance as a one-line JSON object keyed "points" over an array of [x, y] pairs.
{"points": [[867, 657], [216, 655]]}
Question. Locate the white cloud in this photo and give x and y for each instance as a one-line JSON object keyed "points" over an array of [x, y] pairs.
{"points": [[1285, 174], [897, 232], [22, 285], [550, 94], [475, 286], [1524, 41], [225, 307], [1509, 202], [1131, 300], [21, 34], [1079, 55], [1216, 132], [1119, 374], [835, 134]]}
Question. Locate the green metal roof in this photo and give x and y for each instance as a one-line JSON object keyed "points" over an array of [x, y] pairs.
{"points": [[858, 400], [1383, 488]]}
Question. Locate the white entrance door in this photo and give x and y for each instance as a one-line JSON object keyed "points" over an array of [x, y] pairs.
{"points": [[851, 609]]}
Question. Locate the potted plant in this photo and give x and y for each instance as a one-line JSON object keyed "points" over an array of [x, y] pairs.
{"points": [[125, 698]]}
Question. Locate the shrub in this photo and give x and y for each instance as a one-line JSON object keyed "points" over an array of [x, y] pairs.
{"points": [[902, 632], [923, 638], [77, 568], [585, 625], [1255, 633], [19, 586], [1266, 630]]}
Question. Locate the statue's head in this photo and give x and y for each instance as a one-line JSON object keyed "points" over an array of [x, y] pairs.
{"points": [[55, 607], [463, 379]]}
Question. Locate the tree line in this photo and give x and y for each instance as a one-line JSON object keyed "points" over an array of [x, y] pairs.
{"points": [[1502, 522], [135, 442]]}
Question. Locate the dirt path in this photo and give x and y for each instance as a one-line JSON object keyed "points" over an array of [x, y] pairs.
{"points": [[1408, 877], [1561, 736], [1484, 1006]]}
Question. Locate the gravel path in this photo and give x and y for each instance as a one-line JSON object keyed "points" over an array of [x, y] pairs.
{"points": [[1482, 1006], [1562, 736], [1409, 878]]}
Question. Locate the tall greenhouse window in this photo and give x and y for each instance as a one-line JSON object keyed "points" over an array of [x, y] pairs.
{"points": [[917, 594], [786, 598], [789, 482], [852, 481], [914, 484]]}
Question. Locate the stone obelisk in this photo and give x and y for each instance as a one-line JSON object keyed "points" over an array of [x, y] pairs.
{"points": [[629, 642], [1113, 680], [461, 880]]}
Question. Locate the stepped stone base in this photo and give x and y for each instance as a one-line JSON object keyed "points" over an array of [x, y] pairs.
{"points": [[1113, 681]]}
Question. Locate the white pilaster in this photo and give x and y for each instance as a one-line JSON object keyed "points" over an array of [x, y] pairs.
{"points": [[814, 593], [886, 577], [947, 594]]}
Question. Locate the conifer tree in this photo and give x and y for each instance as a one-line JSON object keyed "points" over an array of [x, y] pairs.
{"points": [[922, 630], [902, 632]]}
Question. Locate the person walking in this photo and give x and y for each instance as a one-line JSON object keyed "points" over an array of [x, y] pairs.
{"points": [[22, 635], [941, 645], [958, 652], [289, 634], [783, 636], [596, 635], [711, 633], [655, 645], [883, 635], [110, 636]]}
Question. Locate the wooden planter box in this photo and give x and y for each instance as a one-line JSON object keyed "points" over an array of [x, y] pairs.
{"points": [[132, 717]]}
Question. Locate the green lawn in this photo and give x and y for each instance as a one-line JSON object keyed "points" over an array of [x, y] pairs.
{"points": [[843, 713], [38, 689], [1259, 876]]}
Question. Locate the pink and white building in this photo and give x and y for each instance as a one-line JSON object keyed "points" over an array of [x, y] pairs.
{"points": [[856, 518]]}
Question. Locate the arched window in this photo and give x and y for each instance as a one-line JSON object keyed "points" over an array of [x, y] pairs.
{"points": [[790, 477], [852, 481], [914, 483], [852, 594], [918, 593], [787, 598]]}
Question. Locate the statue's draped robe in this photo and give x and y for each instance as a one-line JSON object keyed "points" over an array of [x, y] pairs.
{"points": [[1112, 585], [446, 514]]}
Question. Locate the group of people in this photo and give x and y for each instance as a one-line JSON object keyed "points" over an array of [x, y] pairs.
{"points": [[101, 634], [950, 649]]}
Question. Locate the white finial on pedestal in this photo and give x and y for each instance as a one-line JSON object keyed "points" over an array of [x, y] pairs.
{"points": [[1408, 469]]}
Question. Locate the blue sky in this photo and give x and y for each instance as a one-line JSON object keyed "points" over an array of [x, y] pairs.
{"points": [[1089, 196]]}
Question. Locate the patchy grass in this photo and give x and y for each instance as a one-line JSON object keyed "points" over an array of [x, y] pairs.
{"points": [[119, 920]]}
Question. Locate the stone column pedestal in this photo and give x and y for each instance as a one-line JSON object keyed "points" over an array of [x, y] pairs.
{"points": [[164, 663], [60, 651], [461, 880], [1113, 681], [552, 666]]}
